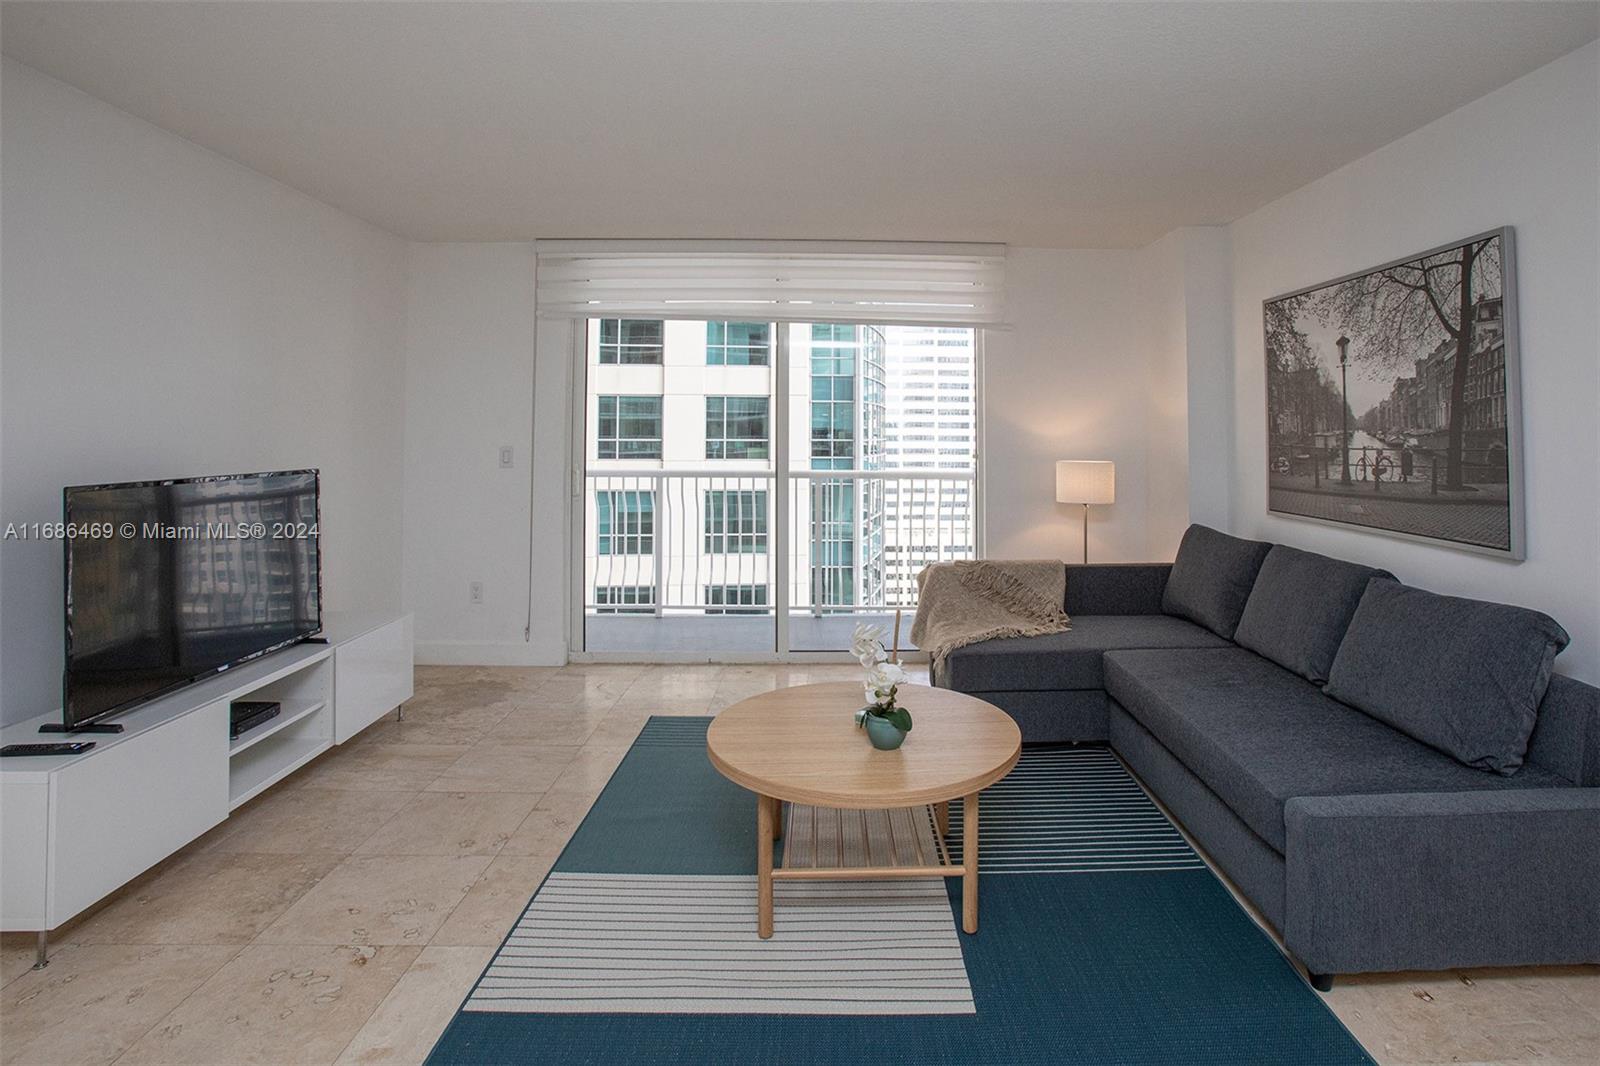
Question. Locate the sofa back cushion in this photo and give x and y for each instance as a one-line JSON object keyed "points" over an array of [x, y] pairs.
{"points": [[1463, 676], [1211, 578], [1300, 607]]}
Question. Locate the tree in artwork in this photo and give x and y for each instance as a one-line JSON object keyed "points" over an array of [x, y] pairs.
{"points": [[1412, 307]]}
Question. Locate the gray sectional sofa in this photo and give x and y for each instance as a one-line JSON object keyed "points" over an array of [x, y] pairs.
{"points": [[1395, 778]]}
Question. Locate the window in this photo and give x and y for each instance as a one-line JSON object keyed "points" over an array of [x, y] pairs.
{"points": [[629, 427], [626, 522], [838, 586], [738, 343], [736, 522], [836, 342], [736, 599], [630, 340], [833, 396], [736, 427], [834, 551], [833, 435], [624, 599], [867, 403]]}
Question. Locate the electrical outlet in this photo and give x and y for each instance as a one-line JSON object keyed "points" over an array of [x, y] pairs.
{"points": [[505, 456], [475, 592]]}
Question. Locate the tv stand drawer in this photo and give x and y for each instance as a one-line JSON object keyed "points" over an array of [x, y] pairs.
{"points": [[119, 813], [372, 675]]}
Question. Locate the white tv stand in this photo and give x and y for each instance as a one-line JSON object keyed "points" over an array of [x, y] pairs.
{"points": [[74, 828]]}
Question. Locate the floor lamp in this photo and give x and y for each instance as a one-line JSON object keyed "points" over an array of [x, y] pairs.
{"points": [[1086, 482]]}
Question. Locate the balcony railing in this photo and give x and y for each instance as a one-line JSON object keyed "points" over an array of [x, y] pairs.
{"points": [[705, 543]]}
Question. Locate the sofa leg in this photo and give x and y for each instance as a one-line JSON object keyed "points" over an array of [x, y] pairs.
{"points": [[1322, 982]]}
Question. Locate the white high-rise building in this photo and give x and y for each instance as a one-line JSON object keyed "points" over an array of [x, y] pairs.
{"points": [[930, 423]]}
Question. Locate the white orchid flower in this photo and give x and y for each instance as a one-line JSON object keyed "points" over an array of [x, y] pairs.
{"points": [[882, 680], [866, 644], [886, 675]]}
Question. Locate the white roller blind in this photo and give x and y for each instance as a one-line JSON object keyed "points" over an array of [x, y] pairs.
{"points": [[952, 285]]}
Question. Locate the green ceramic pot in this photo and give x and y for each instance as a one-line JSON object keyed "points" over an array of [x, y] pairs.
{"points": [[883, 733]]}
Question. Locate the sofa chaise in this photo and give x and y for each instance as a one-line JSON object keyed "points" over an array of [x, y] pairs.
{"points": [[1396, 779]]}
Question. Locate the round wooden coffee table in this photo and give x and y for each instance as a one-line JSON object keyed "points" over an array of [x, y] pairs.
{"points": [[801, 745]]}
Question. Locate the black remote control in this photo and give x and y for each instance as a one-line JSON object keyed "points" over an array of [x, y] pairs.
{"points": [[74, 747]]}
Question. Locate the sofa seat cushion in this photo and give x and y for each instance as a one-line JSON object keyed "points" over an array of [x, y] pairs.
{"points": [[1259, 735], [1058, 662]]}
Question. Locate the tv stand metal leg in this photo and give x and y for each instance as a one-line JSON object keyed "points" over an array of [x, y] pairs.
{"points": [[400, 713], [41, 951]]}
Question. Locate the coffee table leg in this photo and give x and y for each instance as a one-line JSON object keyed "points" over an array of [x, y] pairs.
{"points": [[764, 829], [941, 815], [969, 860], [777, 819]]}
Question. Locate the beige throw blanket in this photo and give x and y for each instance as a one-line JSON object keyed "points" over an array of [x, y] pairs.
{"points": [[967, 602]]}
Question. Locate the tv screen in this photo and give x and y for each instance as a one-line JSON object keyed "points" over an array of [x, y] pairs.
{"points": [[168, 581]]}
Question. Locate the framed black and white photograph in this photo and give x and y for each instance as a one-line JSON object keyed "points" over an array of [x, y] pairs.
{"points": [[1374, 418]]}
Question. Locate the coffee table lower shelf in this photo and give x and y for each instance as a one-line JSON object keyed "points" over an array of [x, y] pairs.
{"points": [[769, 823]]}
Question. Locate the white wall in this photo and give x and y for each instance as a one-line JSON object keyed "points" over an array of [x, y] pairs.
{"points": [[167, 312], [1207, 280], [1187, 328], [1087, 371], [1528, 156], [470, 391], [1165, 334]]}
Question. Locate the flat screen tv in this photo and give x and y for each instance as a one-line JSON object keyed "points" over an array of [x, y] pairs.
{"points": [[170, 581]]}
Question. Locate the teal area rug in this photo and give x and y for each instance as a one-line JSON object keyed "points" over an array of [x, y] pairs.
{"points": [[1103, 939]]}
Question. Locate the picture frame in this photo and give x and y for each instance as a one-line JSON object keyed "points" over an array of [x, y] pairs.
{"points": [[1431, 444]]}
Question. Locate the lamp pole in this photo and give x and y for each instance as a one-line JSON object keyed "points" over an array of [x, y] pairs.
{"points": [[1344, 414]]}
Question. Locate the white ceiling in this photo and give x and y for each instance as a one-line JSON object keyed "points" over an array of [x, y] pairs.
{"points": [[1088, 125]]}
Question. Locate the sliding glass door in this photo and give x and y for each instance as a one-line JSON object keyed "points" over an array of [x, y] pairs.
{"points": [[756, 488]]}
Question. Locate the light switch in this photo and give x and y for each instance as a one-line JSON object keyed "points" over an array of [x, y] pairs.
{"points": [[505, 456]]}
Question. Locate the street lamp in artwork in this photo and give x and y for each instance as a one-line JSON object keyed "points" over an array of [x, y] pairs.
{"points": [[1344, 413]]}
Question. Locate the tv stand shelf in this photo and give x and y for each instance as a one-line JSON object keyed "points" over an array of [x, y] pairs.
{"points": [[74, 828], [267, 764], [290, 712]]}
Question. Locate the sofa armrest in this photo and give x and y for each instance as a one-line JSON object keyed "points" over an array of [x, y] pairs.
{"points": [[1441, 880], [1116, 588]]}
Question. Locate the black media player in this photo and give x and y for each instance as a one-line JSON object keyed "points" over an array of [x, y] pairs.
{"points": [[247, 714]]}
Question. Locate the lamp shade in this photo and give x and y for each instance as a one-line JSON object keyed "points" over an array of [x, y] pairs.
{"points": [[1086, 481]]}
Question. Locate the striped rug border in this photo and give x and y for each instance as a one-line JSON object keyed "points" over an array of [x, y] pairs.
{"points": [[1073, 810], [686, 944]]}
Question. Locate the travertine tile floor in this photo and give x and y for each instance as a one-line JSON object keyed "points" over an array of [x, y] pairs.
{"points": [[341, 916]]}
